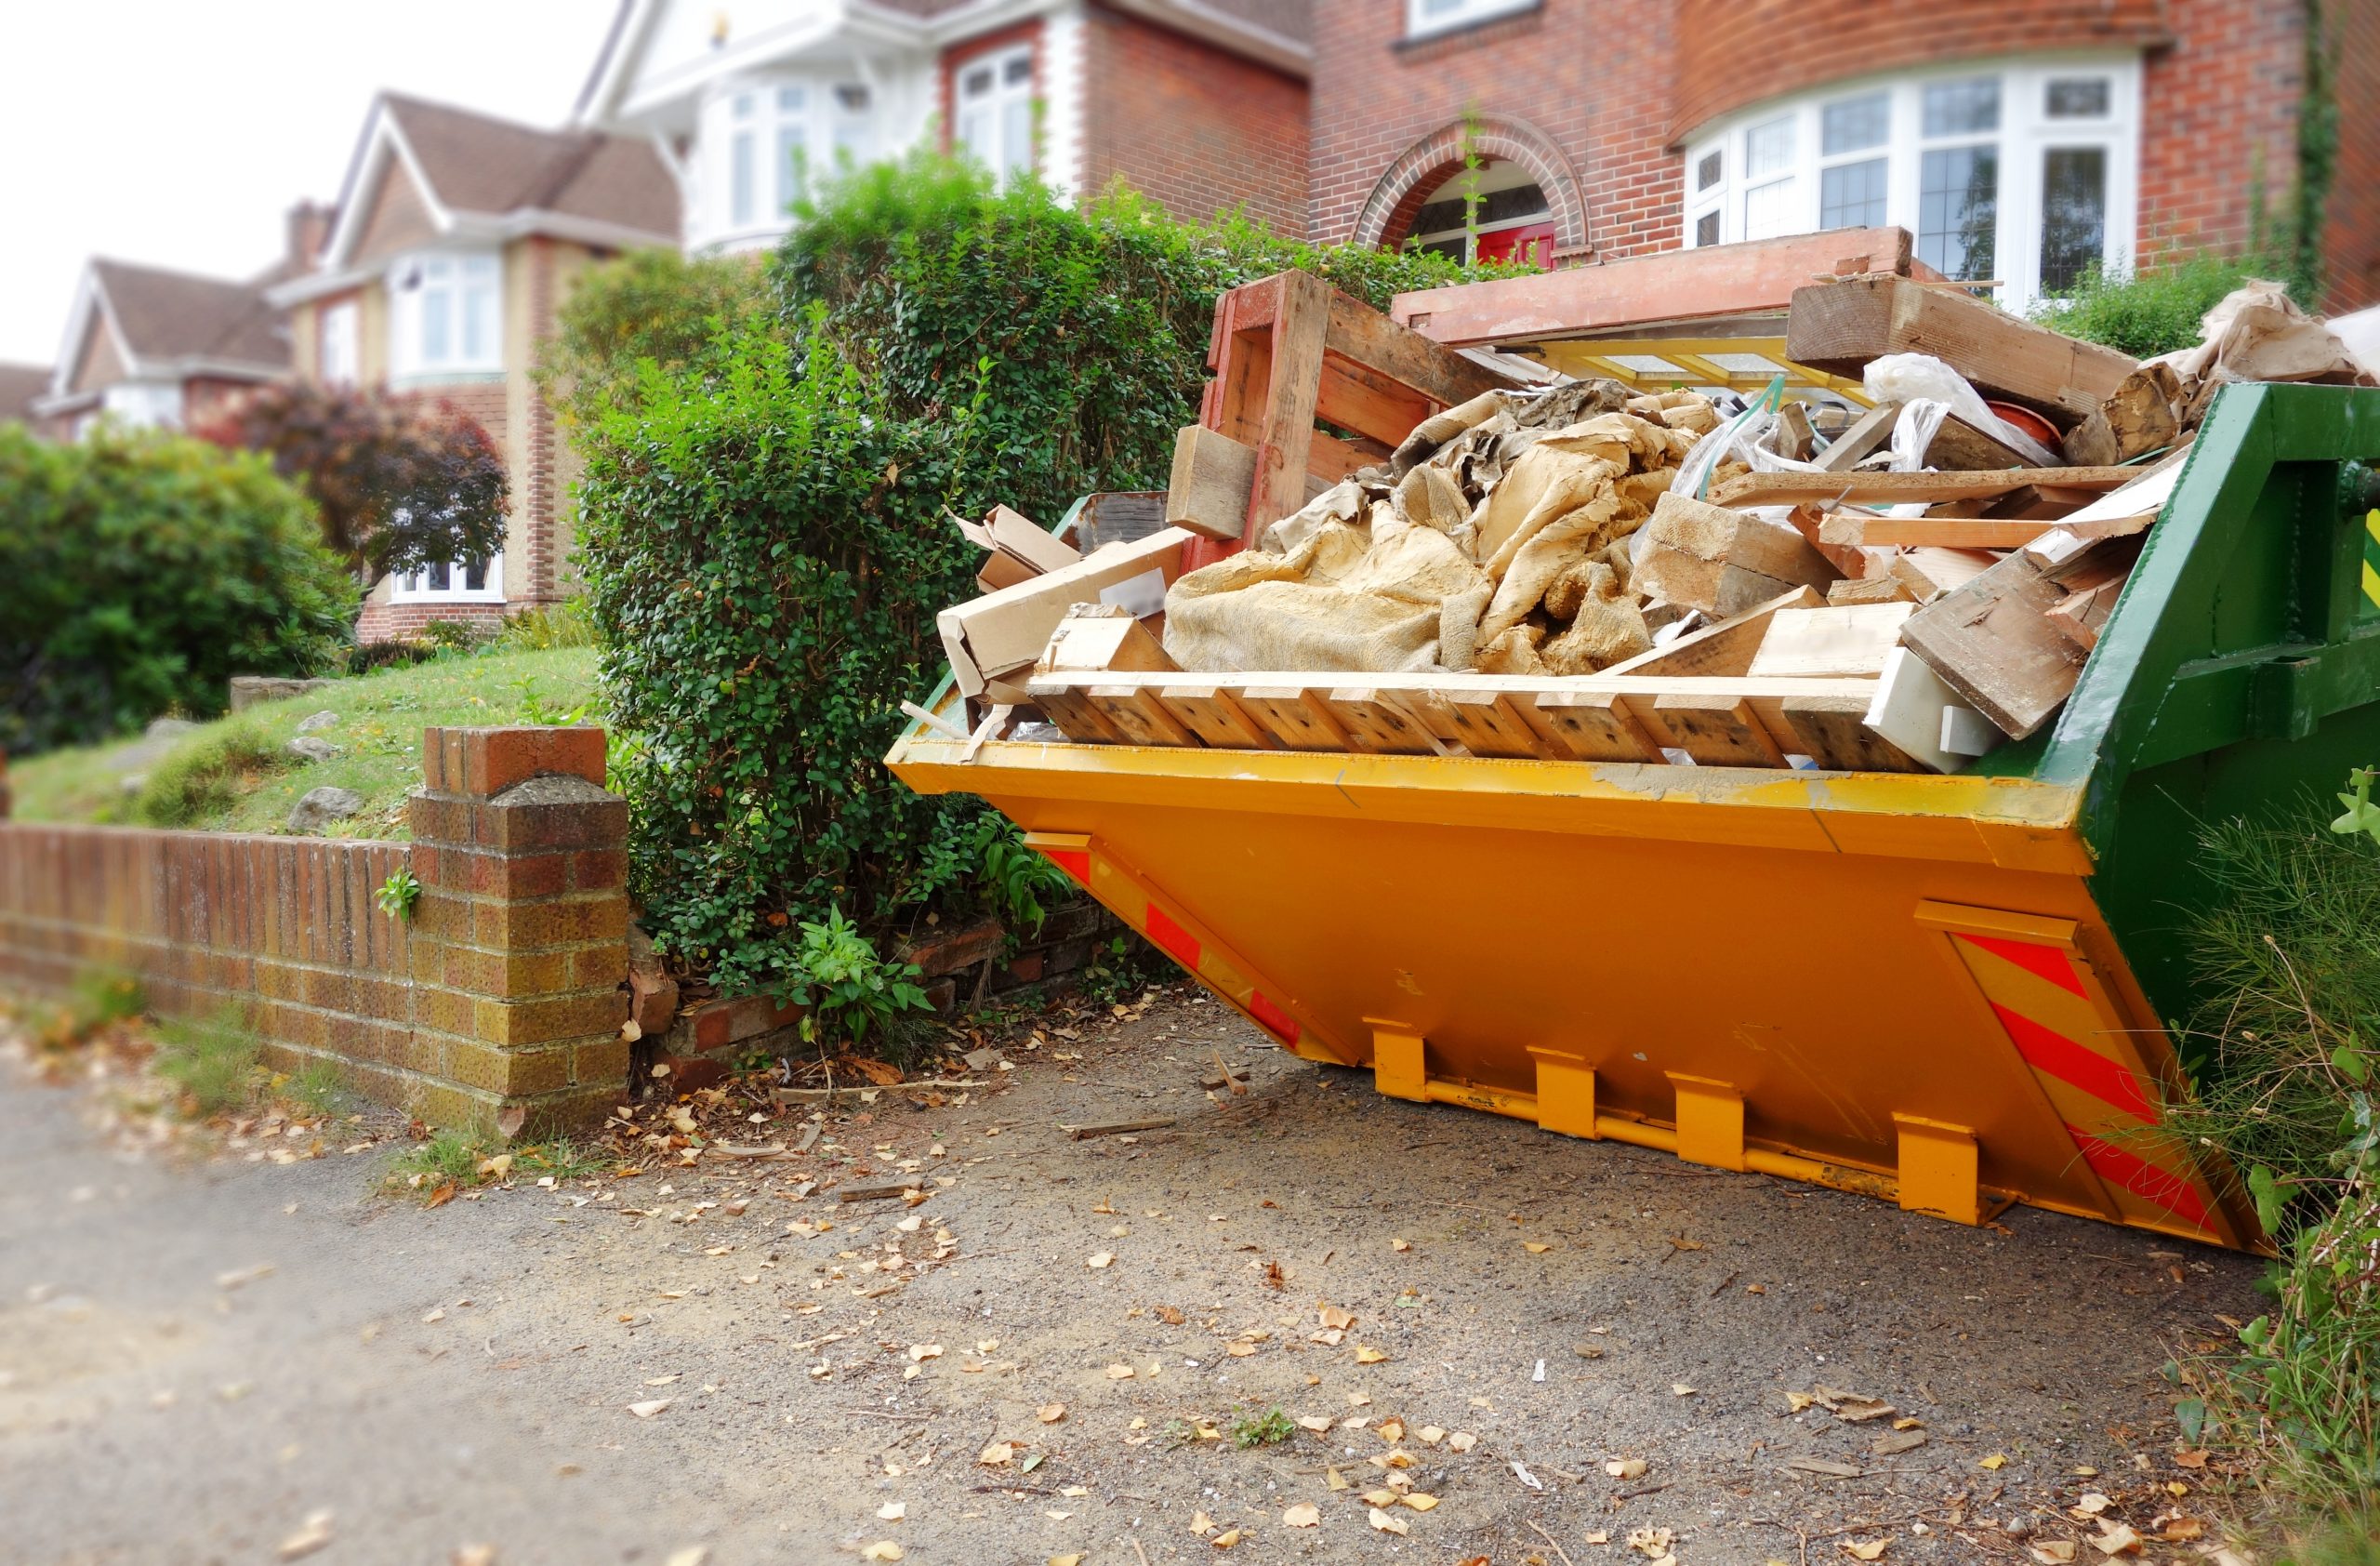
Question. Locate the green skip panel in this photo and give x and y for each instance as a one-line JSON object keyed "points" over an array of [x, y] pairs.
{"points": [[2239, 674]]}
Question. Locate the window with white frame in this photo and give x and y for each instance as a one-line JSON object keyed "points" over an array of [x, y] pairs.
{"points": [[2022, 174], [1425, 17], [477, 583], [764, 142], [446, 314], [994, 114], [339, 355]]}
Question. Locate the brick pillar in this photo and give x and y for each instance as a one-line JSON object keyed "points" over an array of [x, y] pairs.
{"points": [[519, 937]]}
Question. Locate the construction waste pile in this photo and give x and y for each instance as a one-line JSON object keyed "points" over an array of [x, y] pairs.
{"points": [[1582, 571]]}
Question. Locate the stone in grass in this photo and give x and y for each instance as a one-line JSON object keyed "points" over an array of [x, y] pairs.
{"points": [[314, 723], [323, 806], [307, 747]]}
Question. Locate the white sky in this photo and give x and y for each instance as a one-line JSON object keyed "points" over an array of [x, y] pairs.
{"points": [[179, 132]]}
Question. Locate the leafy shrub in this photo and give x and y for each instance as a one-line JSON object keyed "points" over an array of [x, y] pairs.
{"points": [[656, 306], [399, 483], [544, 628], [848, 989], [143, 571], [212, 1059], [2156, 308], [765, 520]]}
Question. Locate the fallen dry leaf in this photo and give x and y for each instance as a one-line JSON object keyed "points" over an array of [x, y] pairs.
{"points": [[1654, 1542], [1102, 1258], [1535, 1247], [1995, 1463], [2053, 1552], [1388, 1524], [1050, 1414], [1074, 1559], [1625, 1468], [648, 1408], [1305, 1514], [693, 1555], [1462, 1440], [2181, 1529], [308, 1539], [1680, 1389], [922, 1351], [892, 1511], [1317, 1422], [1864, 1549], [2093, 1504], [997, 1454], [883, 1549], [1419, 1502], [1226, 1539], [1119, 1372], [2117, 1538], [1400, 1245], [1366, 1355], [1332, 1317], [472, 1555], [1201, 1523], [1392, 1430]]}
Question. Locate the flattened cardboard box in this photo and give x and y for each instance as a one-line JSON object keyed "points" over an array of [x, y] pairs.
{"points": [[1004, 632]]}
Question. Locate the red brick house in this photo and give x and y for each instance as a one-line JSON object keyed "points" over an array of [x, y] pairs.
{"points": [[439, 273], [2017, 140], [147, 346], [20, 387], [1200, 104]]}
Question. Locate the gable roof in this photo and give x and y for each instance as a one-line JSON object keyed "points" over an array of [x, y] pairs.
{"points": [[481, 176], [19, 384], [1278, 33], [178, 315]]}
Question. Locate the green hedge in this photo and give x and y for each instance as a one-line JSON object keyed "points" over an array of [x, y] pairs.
{"points": [[766, 517], [143, 571]]}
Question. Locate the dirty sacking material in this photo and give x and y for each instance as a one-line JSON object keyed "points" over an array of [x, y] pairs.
{"points": [[1486, 545]]}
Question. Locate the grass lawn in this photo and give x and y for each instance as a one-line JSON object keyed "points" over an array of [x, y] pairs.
{"points": [[234, 773]]}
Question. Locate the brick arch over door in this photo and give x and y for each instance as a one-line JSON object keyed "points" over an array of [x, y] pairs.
{"points": [[1420, 167]]}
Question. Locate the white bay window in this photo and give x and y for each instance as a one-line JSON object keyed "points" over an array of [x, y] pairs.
{"points": [[2023, 174], [995, 110], [481, 582], [445, 315], [764, 144]]}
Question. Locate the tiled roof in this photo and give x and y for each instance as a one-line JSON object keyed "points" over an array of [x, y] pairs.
{"points": [[475, 163], [19, 384], [177, 315]]}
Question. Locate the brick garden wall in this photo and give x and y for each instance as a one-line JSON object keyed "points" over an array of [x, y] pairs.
{"points": [[2352, 239], [501, 992]]}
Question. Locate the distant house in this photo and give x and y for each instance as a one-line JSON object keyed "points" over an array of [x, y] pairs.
{"points": [[2020, 142], [149, 347], [20, 385], [454, 239], [1199, 103]]}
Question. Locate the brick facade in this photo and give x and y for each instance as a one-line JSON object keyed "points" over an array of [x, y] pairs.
{"points": [[502, 991], [1595, 96], [1199, 129]]}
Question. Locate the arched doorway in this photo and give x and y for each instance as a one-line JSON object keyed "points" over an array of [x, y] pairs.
{"points": [[1497, 212]]}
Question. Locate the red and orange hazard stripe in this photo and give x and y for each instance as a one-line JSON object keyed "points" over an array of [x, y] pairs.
{"points": [[1173, 930], [2060, 1021]]}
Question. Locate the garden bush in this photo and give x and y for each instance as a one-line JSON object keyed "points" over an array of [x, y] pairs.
{"points": [[766, 522], [144, 570], [2155, 308]]}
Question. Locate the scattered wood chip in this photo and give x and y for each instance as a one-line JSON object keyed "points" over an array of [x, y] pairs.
{"points": [[1824, 1468], [1116, 1128]]}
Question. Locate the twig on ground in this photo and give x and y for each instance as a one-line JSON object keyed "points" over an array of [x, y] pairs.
{"points": [[1551, 1540]]}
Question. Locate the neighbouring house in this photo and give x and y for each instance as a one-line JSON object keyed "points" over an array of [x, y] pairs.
{"points": [[146, 346], [454, 240], [20, 385], [2018, 141], [1200, 104]]}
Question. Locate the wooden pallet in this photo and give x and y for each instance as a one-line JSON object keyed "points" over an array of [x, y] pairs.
{"points": [[1288, 351], [1734, 720]]}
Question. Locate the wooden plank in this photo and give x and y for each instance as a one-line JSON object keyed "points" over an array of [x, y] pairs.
{"points": [[1988, 640], [1886, 588], [1328, 459], [1833, 732], [1717, 731], [1378, 721], [1138, 716], [1839, 326], [1076, 718], [1489, 724], [1292, 388], [1858, 530], [1593, 725], [1424, 362], [1722, 649], [1806, 644], [1354, 396], [1280, 685], [1002, 631], [1749, 279], [2134, 419], [2078, 615], [1212, 475], [1931, 572], [1870, 430], [1893, 489], [1707, 557], [1209, 712], [1095, 637], [1295, 720], [1958, 446]]}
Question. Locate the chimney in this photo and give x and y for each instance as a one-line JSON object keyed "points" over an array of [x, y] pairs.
{"points": [[310, 229]]}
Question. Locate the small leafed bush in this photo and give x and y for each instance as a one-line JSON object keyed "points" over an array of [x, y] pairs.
{"points": [[2156, 308], [144, 570]]}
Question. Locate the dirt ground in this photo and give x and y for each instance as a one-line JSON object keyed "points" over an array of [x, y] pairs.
{"points": [[1538, 1315]]}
